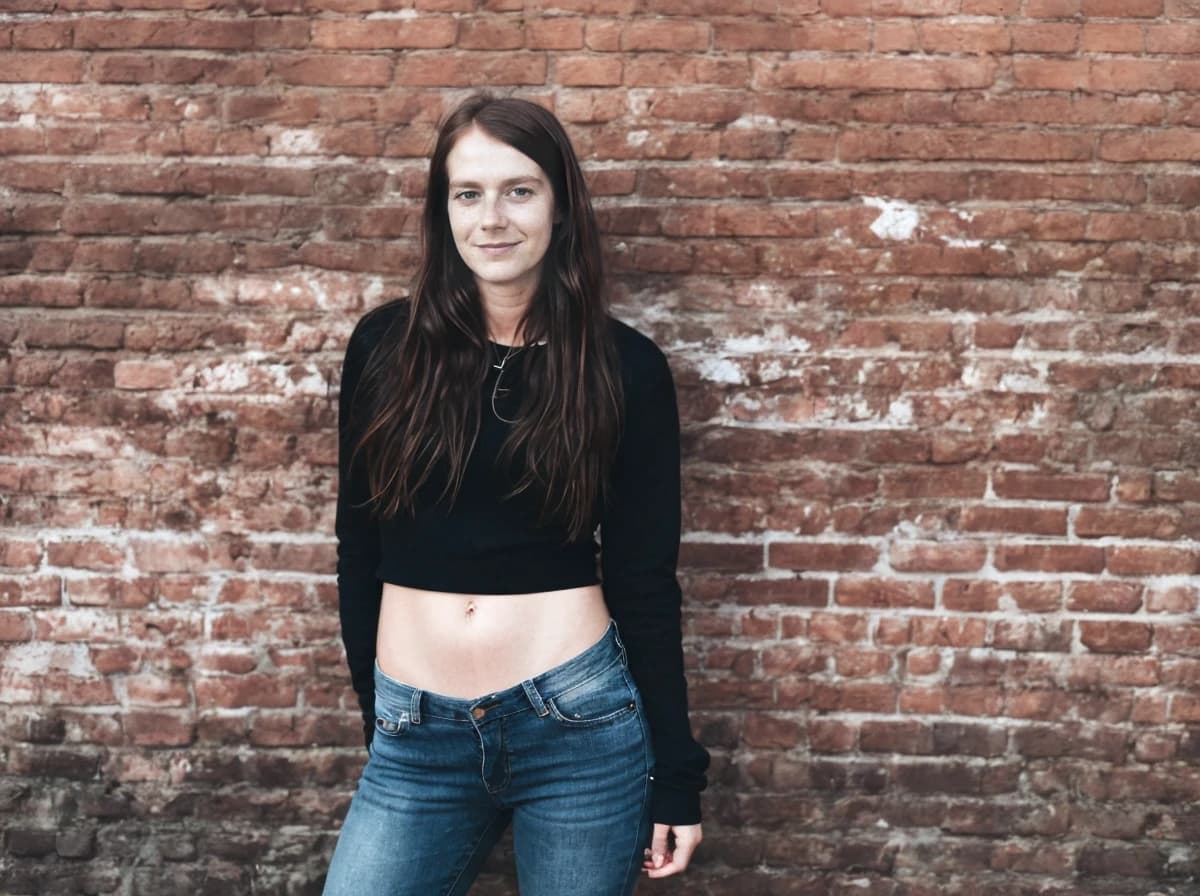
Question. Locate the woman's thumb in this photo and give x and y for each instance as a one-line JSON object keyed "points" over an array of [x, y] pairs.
{"points": [[658, 845]]}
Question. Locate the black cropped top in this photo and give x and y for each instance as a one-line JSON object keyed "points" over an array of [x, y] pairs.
{"points": [[485, 544]]}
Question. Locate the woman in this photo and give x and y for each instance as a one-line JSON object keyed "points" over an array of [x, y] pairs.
{"points": [[487, 427]]}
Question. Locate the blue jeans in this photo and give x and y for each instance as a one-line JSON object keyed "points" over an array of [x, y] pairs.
{"points": [[564, 756]]}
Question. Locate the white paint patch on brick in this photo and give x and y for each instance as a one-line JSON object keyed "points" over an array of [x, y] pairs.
{"points": [[179, 769], [637, 138], [956, 242], [772, 339], [772, 371], [372, 290], [900, 412], [285, 380], [897, 220], [296, 142], [224, 377], [754, 121], [1023, 382], [215, 290], [722, 370], [972, 376], [762, 293], [22, 96], [318, 292], [40, 657]]}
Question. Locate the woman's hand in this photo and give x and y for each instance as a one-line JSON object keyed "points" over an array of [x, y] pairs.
{"points": [[663, 862]]}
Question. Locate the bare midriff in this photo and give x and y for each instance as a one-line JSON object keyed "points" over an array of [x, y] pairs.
{"points": [[469, 645]]}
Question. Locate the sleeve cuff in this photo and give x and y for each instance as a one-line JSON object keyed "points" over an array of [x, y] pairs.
{"points": [[669, 805]]}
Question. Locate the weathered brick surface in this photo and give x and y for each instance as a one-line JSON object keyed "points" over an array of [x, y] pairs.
{"points": [[927, 273]]}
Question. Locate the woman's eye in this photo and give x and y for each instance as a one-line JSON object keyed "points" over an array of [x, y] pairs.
{"points": [[465, 194], [523, 191]]}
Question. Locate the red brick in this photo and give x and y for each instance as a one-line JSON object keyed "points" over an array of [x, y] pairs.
{"points": [[158, 729], [720, 556], [1104, 597], [947, 631], [1039, 634], [827, 555], [244, 690], [1135, 560], [919, 483], [1025, 520], [335, 70], [588, 71], [855, 697], [983, 596], [393, 34], [1050, 557], [1115, 637], [831, 736], [1171, 598], [1050, 486], [837, 627], [765, 731], [936, 557], [882, 593], [60, 67], [1093, 522], [490, 34], [667, 35], [558, 33], [859, 663], [895, 737]]}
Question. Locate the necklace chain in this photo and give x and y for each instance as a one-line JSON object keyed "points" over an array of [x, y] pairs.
{"points": [[496, 387]]}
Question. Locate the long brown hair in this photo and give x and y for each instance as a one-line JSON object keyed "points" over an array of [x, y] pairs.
{"points": [[426, 375]]}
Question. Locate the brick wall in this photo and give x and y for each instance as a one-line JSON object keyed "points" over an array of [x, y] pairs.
{"points": [[927, 274]]}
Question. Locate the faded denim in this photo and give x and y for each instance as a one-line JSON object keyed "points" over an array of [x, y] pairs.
{"points": [[565, 757]]}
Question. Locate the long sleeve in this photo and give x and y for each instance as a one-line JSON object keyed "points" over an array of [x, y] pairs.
{"points": [[640, 533], [358, 548]]}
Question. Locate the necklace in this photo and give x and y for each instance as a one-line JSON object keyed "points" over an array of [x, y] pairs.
{"points": [[496, 390]]}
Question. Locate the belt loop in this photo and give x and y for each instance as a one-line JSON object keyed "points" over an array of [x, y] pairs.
{"points": [[415, 706], [620, 644], [535, 698]]}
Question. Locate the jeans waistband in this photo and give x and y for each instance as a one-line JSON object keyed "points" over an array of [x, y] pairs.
{"points": [[530, 692]]}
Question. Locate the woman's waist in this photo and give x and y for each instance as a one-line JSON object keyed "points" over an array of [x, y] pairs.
{"points": [[463, 645]]}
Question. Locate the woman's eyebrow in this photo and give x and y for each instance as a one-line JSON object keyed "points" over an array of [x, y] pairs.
{"points": [[507, 183]]}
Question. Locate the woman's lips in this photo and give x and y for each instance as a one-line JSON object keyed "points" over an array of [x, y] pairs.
{"points": [[497, 249]]}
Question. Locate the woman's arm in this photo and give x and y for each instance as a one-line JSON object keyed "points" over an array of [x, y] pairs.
{"points": [[359, 592], [640, 532]]}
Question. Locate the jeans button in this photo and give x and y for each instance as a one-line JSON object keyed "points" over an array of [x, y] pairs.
{"points": [[479, 712]]}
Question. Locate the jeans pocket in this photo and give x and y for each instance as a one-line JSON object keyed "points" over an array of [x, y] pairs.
{"points": [[390, 722], [605, 698]]}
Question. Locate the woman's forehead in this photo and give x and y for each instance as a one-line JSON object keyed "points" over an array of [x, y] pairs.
{"points": [[478, 157]]}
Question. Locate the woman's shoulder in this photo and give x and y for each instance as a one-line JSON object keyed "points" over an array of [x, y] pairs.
{"points": [[376, 321], [640, 355]]}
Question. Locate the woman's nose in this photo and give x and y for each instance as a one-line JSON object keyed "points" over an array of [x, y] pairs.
{"points": [[493, 215]]}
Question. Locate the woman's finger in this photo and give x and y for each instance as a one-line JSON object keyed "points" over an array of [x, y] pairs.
{"points": [[658, 854], [687, 838]]}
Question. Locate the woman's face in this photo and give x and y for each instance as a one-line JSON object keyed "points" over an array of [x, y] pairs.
{"points": [[501, 209]]}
